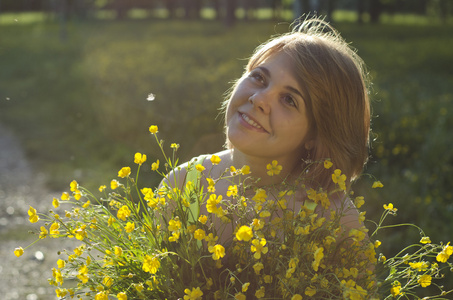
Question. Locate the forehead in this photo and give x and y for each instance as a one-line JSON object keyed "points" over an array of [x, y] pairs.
{"points": [[280, 58]]}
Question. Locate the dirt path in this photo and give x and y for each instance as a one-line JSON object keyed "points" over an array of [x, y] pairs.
{"points": [[23, 278]]}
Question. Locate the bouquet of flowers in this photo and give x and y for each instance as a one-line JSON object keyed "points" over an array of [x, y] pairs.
{"points": [[153, 243]]}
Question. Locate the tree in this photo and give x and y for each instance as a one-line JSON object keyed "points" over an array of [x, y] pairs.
{"points": [[230, 12]]}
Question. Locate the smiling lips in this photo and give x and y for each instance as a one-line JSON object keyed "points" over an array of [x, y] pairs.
{"points": [[251, 122]]}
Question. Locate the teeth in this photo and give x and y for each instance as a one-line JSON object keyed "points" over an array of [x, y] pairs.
{"points": [[250, 121]]}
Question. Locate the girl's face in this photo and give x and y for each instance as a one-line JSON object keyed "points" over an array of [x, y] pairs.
{"points": [[266, 116]]}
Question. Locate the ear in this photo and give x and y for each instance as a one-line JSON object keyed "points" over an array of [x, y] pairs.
{"points": [[310, 144]]}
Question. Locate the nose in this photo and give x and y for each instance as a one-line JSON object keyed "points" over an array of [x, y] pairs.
{"points": [[261, 101]]}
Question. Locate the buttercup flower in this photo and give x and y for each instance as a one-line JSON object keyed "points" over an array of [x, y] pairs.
{"points": [[139, 158], [273, 168], [377, 184], [424, 280], [244, 233], [339, 179], [121, 296], [155, 165], [151, 264], [215, 160], [124, 172], [194, 294], [18, 251], [218, 251], [425, 240], [153, 129], [114, 184], [328, 164], [55, 202], [123, 213], [390, 207], [102, 188], [33, 215]]}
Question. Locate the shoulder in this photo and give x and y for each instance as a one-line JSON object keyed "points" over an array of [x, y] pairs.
{"points": [[350, 215], [178, 175]]}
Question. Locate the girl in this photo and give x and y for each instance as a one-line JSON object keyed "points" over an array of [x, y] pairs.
{"points": [[302, 99]]}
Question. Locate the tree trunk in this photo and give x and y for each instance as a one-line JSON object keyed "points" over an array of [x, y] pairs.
{"points": [[360, 10], [230, 13], [375, 10]]}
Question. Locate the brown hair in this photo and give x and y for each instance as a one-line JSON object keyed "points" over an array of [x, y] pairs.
{"points": [[334, 85]]}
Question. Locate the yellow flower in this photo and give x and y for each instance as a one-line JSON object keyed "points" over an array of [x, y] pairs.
{"points": [[102, 188], [61, 263], [273, 168], [130, 226], [258, 246], [107, 281], [64, 196], [328, 164], [425, 240], [445, 254], [139, 158], [18, 251], [258, 267], [202, 219], [199, 168], [123, 213], [33, 215], [211, 203], [419, 266], [153, 129], [54, 229], [396, 289], [118, 251], [245, 170], [239, 296], [390, 207], [318, 255], [194, 294], [80, 233], [244, 233], [232, 190], [218, 251], [260, 293], [174, 146], [86, 204], [339, 179], [124, 172], [73, 186], [55, 202], [155, 165], [199, 234], [359, 201], [43, 234], [245, 287], [114, 184], [174, 237], [215, 160], [151, 264], [424, 280], [211, 185], [310, 291], [102, 295], [297, 296], [377, 184], [174, 224], [121, 296], [377, 243]]}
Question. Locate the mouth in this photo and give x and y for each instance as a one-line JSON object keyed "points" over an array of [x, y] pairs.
{"points": [[251, 122]]}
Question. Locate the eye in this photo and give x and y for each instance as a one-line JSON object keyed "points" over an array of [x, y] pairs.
{"points": [[289, 100], [257, 76]]}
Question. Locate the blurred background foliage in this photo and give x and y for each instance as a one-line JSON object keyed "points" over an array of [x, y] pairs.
{"points": [[75, 77]]}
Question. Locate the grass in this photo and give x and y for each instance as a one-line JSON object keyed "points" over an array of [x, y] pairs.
{"points": [[79, 105]]}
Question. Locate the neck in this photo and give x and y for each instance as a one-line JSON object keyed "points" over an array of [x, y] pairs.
{"points": [[258, 167]]}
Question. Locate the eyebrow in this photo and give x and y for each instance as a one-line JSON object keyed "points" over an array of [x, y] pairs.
{"points": [[292, 89]]}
